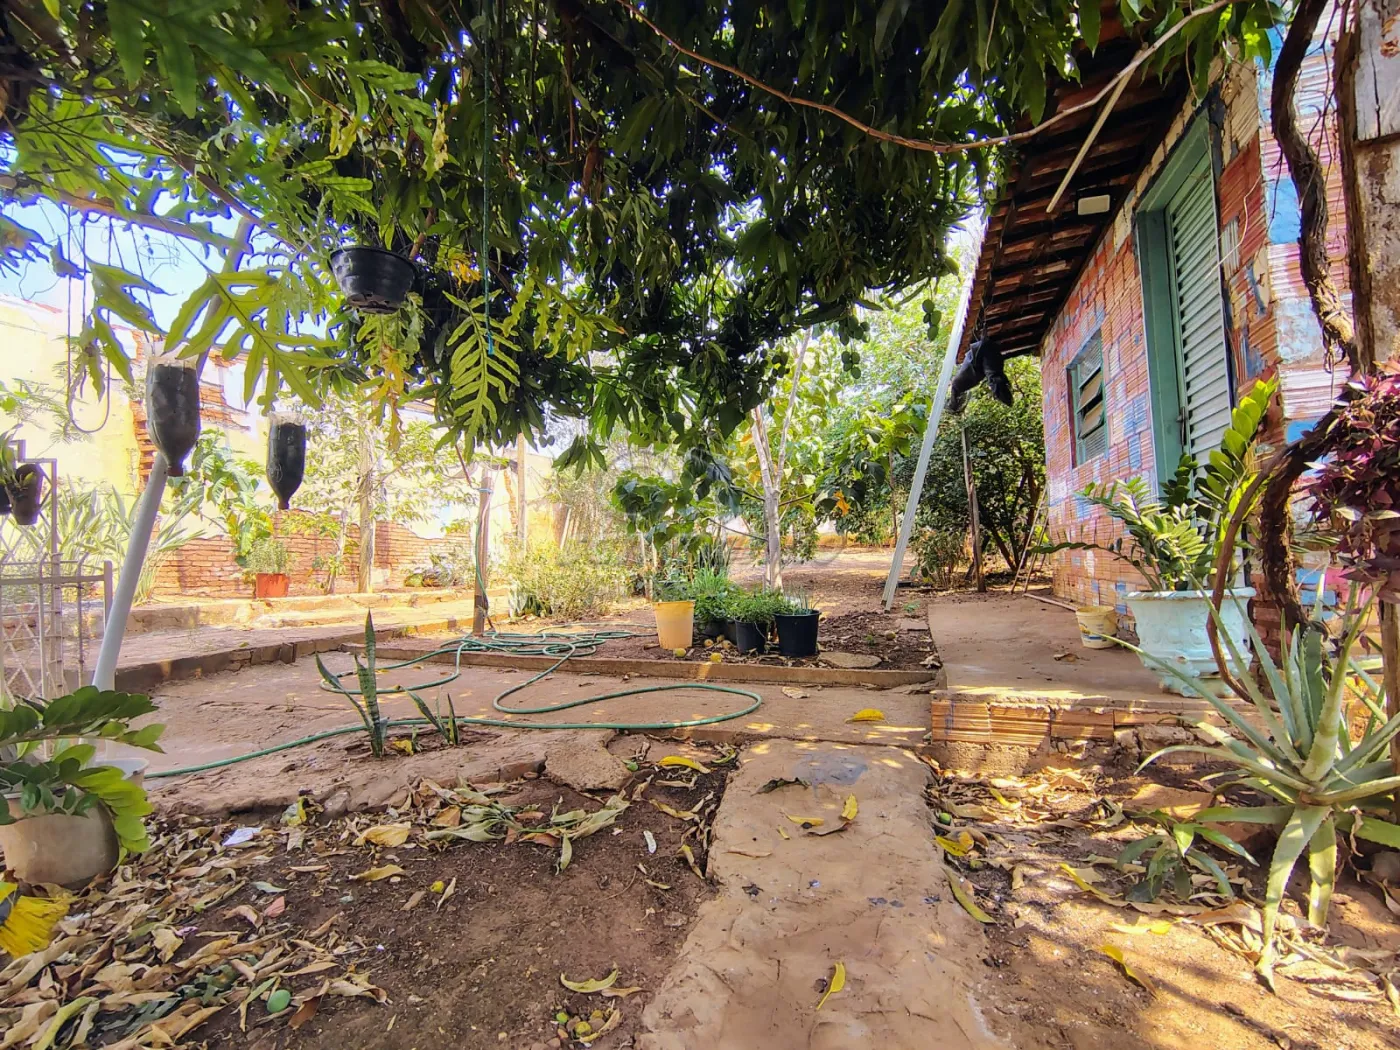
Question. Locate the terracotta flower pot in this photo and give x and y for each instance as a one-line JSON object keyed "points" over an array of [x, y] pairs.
{"points": [[270, 585]]}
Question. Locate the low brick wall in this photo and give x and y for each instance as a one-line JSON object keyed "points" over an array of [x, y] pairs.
{"points": [[205, 567]]}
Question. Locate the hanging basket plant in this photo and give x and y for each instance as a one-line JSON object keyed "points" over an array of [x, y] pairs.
{"points": [[25, 493], [286, 457], [374, 280], [4, 502], [172, 409]]}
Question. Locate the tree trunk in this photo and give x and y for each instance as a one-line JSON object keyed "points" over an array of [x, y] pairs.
{"points": [[773, 563], [480, 603], [972, 516], [364, 581], [1002, 548], [522, 519], [338, 561]]}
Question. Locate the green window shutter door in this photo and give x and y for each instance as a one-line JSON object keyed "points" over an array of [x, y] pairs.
{"points": [[1205, 374]]}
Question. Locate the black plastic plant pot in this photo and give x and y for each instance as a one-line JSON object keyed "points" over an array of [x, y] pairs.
{"points": [[797, 633], [172, 412], [375, 281], [748, 637], [714, 630], [286, 459], [26, 494], [731, 630]]}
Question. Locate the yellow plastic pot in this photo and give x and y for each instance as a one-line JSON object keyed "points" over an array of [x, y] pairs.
{"points": [[675, 624]]}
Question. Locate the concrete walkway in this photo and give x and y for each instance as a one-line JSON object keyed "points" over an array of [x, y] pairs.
{"points": [[873, 897]]}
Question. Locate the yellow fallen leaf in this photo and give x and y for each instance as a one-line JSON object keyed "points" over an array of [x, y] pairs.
{"points": [[671, 811], [386, 834], [375, 874], [837, 982], [1080, 881], [450, 817], [959, 845], [620, 993], [671, 761], [784, 834], [690, 859], [964, 897], [1116, 954], [1159, 929], [867, 714], [848, 811], [406, 746], [589, 987]]}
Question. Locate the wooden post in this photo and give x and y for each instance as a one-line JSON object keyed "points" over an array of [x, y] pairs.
{"points": [[973, 515], [480, 603]]}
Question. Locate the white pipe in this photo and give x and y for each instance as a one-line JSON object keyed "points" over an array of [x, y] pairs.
{"points": [[142, 525], [935, 416]]}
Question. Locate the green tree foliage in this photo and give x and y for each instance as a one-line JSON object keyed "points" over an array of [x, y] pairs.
{"points": [[652, 223], [1007, 449]]}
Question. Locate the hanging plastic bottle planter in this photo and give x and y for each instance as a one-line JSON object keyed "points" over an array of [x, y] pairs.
{"points": [[25, 494], [172, 409], [286, 456], [375, 281]]}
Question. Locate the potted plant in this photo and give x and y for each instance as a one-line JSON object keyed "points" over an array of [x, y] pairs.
{"points": [[66, 818], [675, 613], [754, 613], [711, 589], [21, 484], [172, 408], [267, 561], [286, 456], [1173, 540], [797, 626], [374, 280]]}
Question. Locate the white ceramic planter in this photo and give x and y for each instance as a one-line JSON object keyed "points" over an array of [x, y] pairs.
{"points": [[1171, 625], [63, 849]]}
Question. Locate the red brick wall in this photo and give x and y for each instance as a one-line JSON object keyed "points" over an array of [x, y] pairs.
{"points": [[1271, 325], [205, 567]]}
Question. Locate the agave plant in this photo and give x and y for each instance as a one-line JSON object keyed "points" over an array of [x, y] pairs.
{"points": [[367, 703], [1298, 750]]}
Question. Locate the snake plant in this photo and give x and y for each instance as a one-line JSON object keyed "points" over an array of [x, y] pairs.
{"points": [[1298, 750]]}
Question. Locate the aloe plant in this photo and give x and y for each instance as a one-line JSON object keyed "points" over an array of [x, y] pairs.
{"points": [[367, 703], [1298, 751]]}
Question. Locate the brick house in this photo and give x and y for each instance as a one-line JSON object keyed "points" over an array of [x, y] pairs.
{"points": [[1165, 282]]}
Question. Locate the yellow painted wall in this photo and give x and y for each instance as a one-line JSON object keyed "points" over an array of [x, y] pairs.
{"points": [[32, 348]]}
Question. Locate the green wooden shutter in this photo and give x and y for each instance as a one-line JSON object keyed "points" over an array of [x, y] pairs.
{"points": [[1205, 374]]}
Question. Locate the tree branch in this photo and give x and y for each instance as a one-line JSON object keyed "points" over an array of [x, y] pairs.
{"points": [[922, 144]]}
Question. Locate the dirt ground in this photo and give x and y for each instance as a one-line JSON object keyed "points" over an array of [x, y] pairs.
{"points": [[1048, 982]]}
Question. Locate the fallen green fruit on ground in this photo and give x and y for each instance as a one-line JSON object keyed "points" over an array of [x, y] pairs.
{"points": [[279, 1001]]}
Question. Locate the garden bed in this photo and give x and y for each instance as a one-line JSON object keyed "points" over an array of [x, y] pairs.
{"points": [[459, 943]]}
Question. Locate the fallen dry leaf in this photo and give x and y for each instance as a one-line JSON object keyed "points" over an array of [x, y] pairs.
{"points": [[795, 693], [1116, 954], [867, 714], [964, 897], [275, 909], [375, 874], [414, 899], [305, 1012], [671, 761], [589, 986], [386, 834]]}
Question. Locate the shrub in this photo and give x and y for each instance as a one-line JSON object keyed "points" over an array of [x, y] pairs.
{"points": [[759, 608], [939, 551], [577, 580], [267, 555], [711, 589]]}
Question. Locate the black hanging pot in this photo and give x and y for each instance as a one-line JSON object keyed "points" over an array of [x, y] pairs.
{"points": [[797, 633], [748, 637], [172, 411], [375, 281], [286, 458], [4, 501], [25, 494]]}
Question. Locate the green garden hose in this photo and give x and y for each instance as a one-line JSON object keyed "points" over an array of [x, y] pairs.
{"points": [[563, 644]]}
